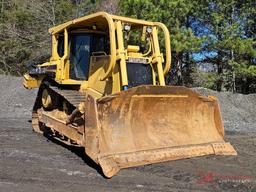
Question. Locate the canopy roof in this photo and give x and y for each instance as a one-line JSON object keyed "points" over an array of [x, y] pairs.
{"points": [[101, 19]]}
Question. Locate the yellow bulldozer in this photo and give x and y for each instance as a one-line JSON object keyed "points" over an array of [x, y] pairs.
{"points": [[104, 89]]}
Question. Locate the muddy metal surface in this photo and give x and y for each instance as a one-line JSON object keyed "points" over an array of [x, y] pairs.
{"points": [[31, 162]]}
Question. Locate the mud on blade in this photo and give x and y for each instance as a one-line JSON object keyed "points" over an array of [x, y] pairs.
{"points": [[150, 124]]}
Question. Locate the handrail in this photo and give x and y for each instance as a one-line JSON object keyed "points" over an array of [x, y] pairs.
{"points": [[157, 58], [112, 45], [111, 26], [167, 46], [121, 54]]}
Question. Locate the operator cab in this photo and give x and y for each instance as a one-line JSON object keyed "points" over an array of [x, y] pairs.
{"points": [[82, 46], [132, 59]]}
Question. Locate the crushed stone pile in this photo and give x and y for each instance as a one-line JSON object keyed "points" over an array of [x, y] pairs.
{"points": [[238, 110], [15, 100]]}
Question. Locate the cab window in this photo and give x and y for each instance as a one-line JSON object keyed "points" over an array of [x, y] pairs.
{"points": [[80, 47]]}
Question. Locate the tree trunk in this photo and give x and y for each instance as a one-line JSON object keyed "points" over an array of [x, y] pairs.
{"points": [[232, 56], [2, 8], [233, 74], [179, 73], [219, 83], [52, 2]]}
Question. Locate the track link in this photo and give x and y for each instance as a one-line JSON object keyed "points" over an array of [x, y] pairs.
{"points": [[72, 96]]}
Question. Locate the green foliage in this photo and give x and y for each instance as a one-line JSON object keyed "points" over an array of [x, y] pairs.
{"points": [[173, 13], [243, 69], [177, 15], [11, 55], [232, 37], [204, 79], [84, 7], [226, 29], [24, 27]]}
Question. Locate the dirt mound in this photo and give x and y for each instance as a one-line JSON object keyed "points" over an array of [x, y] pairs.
{"points": [[238, 110]]}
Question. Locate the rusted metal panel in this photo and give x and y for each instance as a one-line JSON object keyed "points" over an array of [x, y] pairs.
{"points": [[113, 163], [149, 124], [61, 127], [145, 125]]}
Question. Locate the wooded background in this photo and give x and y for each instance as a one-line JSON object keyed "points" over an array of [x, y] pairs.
{"points": [[213, 41]]}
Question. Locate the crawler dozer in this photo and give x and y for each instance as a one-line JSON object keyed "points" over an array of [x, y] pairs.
{"points": [[104, 89]]}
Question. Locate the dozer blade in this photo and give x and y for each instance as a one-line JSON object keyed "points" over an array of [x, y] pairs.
{"points": [[149, 124]]}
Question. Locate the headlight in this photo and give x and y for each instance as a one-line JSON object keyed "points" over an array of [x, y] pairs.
{"points": [[149, 29], [127, 27]]}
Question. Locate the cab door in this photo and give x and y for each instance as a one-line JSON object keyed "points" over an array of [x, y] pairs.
{"points": [[80, 51]]}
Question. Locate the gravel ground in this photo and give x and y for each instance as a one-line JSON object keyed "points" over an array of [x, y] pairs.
{"points": [[15, 100], [31, 162], [238, 110]]}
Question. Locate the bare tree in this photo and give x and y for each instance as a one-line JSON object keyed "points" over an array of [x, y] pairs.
{"points": [[110, 6]]}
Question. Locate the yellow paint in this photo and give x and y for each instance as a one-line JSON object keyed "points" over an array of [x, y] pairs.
{"points": [[30, 82], [98, 65], [109, 75], [133, 48], [158, 57], [119, 131], [121, 53], [70, 82], [55, 55], [46, 99], [167, 46]]}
